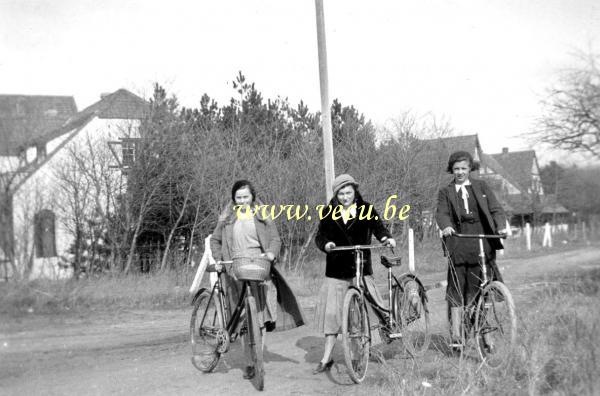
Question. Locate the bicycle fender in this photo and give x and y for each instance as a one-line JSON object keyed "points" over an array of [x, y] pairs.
{"points": [[197, 295]]}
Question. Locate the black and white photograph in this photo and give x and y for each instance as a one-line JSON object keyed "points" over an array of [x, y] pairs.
{"points": [[316, 197]]}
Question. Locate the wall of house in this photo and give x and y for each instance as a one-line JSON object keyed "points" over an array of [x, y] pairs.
{"points": [[56, 186]]}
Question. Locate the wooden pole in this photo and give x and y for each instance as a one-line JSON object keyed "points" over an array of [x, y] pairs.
{"points": [[325, 106]]}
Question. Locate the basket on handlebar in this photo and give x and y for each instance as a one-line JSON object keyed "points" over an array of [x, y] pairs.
{"points": [[251, 268]]}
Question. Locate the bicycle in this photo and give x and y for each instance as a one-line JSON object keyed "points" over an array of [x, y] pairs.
{"points": [[213, 328], [406, 317], [490, 318]]}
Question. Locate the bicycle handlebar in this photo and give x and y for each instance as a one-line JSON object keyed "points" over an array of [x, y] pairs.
{"points": [[478, 236], [358, 247]]}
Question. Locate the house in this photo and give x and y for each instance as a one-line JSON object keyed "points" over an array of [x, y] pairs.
{"points": [[49, 152], [522, 167]]}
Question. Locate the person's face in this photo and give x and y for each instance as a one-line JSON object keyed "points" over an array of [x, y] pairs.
{"points": [[243, 196], [461, 170], [346, 195]]}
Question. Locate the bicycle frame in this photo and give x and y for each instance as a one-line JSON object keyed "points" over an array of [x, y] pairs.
{"points": [[218, 290], [482, 263], [360, 285]]}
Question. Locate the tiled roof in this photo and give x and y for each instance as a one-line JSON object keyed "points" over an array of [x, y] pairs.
{"points": [[25, 118], [450, 144], [518, 165], [120, 104]]}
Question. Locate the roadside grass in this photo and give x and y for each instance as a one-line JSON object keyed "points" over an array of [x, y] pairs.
{"points": [[558, 351], [105, 292]]}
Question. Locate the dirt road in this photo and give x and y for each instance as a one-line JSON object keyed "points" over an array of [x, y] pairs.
{"points": [[147, 352]]}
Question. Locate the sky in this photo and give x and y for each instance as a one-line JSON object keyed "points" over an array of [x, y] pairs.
{"points": [[482, 65]]}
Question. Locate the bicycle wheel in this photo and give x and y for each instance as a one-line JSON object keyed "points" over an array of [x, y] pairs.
{"points": [[495, 324], [410, 310], [253, 342], [356, 337], [207, 332]]}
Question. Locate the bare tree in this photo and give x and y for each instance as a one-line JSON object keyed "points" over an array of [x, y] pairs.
{"points": [[571, 119]]}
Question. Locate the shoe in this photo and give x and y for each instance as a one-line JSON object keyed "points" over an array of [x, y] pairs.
{"points": [[323, 367], [249, 372], [270, 326]]}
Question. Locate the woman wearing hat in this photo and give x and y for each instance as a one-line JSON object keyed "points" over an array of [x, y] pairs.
{"points": [[339, 271], [467, 206], [250, 236]]}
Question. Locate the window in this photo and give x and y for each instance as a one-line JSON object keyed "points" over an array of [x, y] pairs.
{"points": [[128, 153], [44, 234]]}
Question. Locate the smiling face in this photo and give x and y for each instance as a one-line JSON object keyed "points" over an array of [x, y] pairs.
{"points": [[346, 195], [461, 170], [243, 196]]}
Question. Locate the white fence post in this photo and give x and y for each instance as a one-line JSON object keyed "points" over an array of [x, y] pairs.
{"points": [[547, 240], [411, 250], [528, 235]]}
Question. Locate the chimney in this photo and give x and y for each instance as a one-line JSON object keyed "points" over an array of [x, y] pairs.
{"points": [[504, 150]]}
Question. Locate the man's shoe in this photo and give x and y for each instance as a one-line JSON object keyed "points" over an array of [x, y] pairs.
{"points": [[249, 372], [323, 367]]}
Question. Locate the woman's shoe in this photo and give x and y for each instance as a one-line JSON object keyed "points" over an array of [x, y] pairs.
{"points": [[323, 367], [249, 372]]}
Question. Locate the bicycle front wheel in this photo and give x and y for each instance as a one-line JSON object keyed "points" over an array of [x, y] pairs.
{"points": [[253, 342], [495, 325], [207, 332], [356, 337], [410, 309]]}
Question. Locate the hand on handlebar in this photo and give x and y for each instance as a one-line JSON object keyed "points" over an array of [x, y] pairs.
{"points": [[329, 246], [448, 231], [389, 242]]}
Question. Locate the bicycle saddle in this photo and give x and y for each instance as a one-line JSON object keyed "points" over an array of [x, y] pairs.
{"points": [[389, 262]]}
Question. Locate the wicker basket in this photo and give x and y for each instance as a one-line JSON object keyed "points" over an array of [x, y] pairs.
{"points": [[251, 268]]}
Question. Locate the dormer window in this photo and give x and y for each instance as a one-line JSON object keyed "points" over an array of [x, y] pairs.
{"points": [[51, 113]]}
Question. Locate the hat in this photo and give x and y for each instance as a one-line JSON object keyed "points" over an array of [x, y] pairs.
{"points": [[342, 181]]}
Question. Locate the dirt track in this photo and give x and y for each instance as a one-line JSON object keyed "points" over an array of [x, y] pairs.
{"points": [[147, 352]]}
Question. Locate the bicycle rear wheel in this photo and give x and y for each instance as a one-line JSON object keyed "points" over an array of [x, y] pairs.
{"points": [[356, 337], [207, 332], [253, 341], [410, 310], [495, 325]]}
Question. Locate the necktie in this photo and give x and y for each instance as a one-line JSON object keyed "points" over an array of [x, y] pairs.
{"points": [[465, 197]]}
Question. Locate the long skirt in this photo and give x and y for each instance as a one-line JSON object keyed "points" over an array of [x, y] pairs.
{"points": [[330, 303]]}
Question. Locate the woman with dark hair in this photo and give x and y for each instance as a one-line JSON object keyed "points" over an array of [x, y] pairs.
{"points": [[350, 229], [242, 233], [467, 206]]}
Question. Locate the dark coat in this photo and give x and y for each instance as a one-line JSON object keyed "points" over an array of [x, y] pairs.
{"points": [[492, 215], [340, 265], [289, 313]]}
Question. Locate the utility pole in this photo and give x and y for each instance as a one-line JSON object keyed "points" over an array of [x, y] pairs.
{"points": [[325, 106]]}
